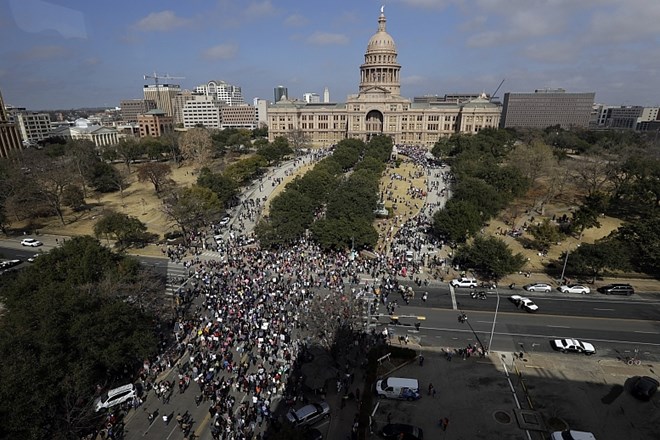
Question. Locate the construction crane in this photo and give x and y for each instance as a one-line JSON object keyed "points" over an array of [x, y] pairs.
{"points": [[497, 89], [157, 77]]}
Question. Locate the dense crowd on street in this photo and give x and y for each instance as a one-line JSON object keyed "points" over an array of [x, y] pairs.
{"points": [[243, 320]]}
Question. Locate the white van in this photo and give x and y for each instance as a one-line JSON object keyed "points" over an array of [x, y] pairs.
{"points": [[115, 396], [398, 388]]}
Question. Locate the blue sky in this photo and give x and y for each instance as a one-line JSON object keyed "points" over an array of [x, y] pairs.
{"points": [[72, 53]]}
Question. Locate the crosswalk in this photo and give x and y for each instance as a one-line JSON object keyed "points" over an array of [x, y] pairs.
{"points": [[174, 270]]}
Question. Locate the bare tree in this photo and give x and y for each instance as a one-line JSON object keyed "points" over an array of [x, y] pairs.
{"points": [[196, 145], [298, 139], [155, 172]]}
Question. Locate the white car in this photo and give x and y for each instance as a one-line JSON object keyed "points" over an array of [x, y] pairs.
{"points": [[31, 242], [574, 288], [464, 282], [537, 287], [573, 345], [225, 221], [524, 303]]}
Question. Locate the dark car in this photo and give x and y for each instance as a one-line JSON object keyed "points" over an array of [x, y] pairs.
{"points": [[644, 387], [616, 289], [401, 431]]}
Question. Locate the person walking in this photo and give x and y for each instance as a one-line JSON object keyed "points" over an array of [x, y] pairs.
{"points": [[421, 360], [445, 423], [431, 389]]}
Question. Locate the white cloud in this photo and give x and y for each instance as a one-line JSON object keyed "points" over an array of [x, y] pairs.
{"points": [[220, 52], [327, 38], [625, 21], [296, 20], [161, 21]]}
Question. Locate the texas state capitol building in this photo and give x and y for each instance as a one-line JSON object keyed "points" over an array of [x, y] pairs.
{"points": [[379, 108]]}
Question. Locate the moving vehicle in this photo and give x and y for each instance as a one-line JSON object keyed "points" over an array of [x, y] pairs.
{"points": [[225, 221], [464, 282], [31, 242], [115, 396], [398, 388], [9, 264], [308, 414], [410, 255], [573, 345], [574, 288], [402, 431], [617, 289], [524, 303], [644, 387], [537, 287], [572, 435]]}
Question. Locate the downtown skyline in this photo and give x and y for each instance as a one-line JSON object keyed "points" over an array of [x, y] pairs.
{"points": [[67, 54]]}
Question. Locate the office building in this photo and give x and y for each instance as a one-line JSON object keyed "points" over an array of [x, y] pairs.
{"points": [[33, 126], [238, 116], [162, 95], [10, 139], [131, 108], [311, 98], [84, 129], [545, 108], [201, 110], [222, 91], [326, 95], [280, 92], [379, 109], [261, 112]]}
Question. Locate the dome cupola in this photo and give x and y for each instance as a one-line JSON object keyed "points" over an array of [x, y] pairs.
{"points": [[380, 67]]}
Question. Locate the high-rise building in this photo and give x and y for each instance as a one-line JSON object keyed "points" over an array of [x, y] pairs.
{"points": [[162, 95], [280, 92], [326, 95], [311, 98], [10, 139], [378, 108], [131, 108], [222, 91], [547, 107]]}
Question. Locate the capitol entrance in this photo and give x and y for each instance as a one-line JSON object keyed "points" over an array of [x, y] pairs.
{"points": [[374, 124]]}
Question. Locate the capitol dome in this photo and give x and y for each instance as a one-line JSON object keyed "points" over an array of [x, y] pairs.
{"points": [[380, 68]]}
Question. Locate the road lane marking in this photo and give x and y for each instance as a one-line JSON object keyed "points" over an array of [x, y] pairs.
{"points": [[648, 333], [604, 310], [452, 292], [558, 326]]}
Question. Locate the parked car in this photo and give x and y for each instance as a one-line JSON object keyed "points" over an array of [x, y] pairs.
{"points": [[524, 303], [402, 431], [7, 264], [225, 221], [31, 242], [538, 287], [572, 435], [464, 282], [574, 288], [644, 387], [308, 414], [617, 289], [573, 345]]}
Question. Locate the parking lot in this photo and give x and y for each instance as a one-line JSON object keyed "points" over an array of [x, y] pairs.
{"points": [[555, 391]]}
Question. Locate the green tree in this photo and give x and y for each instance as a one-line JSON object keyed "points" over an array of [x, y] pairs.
{"points": [[126, 230], [643, 241], [491, 257], [225, 187], [128, 151], [192, 208], [545, 234], [593, 259], [59, 338]]}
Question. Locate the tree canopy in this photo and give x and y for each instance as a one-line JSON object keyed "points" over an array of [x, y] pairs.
{"points": [[63, 333]]}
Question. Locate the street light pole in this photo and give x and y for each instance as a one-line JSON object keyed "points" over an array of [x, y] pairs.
{"points": [[563, 270], [463, 318], [492, 330]]}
